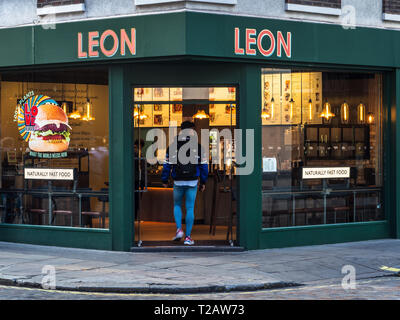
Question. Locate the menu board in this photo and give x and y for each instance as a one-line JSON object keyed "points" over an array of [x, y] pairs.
{"points": [[292, 93]]}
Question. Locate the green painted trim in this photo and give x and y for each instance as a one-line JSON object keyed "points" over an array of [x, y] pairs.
{"points": [[389, 159], [323, 234], [201, 34], [250, 197], [57, 236], [121, 160], [396, 152]]}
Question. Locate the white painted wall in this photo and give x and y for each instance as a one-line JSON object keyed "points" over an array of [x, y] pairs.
{"points": [[363, 12]]}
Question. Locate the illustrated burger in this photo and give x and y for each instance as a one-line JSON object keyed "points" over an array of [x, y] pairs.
{"points": [[51, 132]]}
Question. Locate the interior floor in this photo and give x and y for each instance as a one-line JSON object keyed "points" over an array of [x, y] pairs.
{"points": [[152, 232]]}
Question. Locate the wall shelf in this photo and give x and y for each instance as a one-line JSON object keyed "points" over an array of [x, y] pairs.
{"points": [[337, 142]]}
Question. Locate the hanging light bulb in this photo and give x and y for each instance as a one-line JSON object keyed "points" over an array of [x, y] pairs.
{"points": [[201, 115], [310, 110], [327, 113], [345, 113], [310, 103], [272, 108], [75, 114], [64, 106], [265, 114], [88, 116], [138, 113], [142, 116], [370, 118], [291, 106], [361, 113]]}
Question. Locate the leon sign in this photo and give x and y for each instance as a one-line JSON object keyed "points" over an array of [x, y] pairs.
{"points": [[264, 42], [109, 43]]}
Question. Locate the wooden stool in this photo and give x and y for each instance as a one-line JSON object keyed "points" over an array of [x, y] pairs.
{"points": [[93, 214], [39, 212], [62, 213]]}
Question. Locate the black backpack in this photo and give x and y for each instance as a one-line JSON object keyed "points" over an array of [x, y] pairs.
{"points": [[186, 172]]}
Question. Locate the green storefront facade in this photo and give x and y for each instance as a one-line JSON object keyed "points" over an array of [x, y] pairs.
{"points": [[199, 49]]}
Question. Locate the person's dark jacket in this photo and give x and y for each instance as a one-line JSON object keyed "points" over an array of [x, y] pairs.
{"points": [[170, 166]]}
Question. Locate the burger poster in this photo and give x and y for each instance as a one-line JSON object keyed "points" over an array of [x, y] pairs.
{"points": [[44, 125]]}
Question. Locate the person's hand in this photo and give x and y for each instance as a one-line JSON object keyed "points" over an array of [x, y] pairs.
{"points": [[202, 187]]}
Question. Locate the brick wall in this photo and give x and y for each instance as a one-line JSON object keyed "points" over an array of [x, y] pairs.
{"points": [[43, 3], [391, 6], [323, 3]]}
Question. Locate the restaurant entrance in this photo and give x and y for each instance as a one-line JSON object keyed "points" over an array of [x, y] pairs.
{"points": [[158, 115]]}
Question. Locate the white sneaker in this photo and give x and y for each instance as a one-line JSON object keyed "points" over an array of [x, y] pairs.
{"points": [[188, 241], [178, 236]]}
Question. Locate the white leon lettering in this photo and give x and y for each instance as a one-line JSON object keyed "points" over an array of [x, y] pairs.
{"points": [[265, 42], [108, 43]]}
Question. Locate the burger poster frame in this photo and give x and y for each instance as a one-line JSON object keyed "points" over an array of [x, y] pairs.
{"points": [[44, 125]]}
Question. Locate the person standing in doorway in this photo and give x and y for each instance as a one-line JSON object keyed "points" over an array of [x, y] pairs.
{"points": [[186, 177]]}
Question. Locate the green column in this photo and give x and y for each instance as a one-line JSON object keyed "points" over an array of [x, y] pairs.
{"points": [[121, 160], [395, 144], [250, 185]]}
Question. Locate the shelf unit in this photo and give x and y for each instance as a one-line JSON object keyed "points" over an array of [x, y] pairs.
{"points": [[337, 142]]}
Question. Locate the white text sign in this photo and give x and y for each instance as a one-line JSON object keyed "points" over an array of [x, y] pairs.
{"points": [[49, 174], [326, 173]]}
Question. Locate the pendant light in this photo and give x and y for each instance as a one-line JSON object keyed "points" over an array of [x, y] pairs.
{"points": [[370, 118], [291, 108], [361, 113], [139, 114], [345, 113], [89, 107], [272, 99], [201, 114], [75, 114], [326, 112], [291, 102], [310, 103], [264, 113], [64, 104], [345, 109]]}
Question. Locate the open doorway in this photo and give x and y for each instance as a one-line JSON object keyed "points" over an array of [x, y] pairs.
{"points": [[213, 111]]}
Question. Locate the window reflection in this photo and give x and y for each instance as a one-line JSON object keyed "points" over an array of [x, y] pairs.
{"points": [[318, 119], [55, 138]]}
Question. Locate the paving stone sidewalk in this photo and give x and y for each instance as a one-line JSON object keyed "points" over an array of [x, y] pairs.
{"points": [[194, 272]]}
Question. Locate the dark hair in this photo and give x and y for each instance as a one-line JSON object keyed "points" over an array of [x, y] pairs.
{"points": [[187, 125]]}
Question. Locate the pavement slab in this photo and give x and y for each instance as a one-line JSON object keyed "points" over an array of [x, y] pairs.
{"points": [[95, 270]]}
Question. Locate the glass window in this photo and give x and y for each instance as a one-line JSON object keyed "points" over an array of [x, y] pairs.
{"points": [[54, 148], [321, 147]]}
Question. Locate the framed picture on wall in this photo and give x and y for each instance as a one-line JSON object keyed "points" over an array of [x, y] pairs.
{"points": [[176, 108], [157, 107], [158, 120]]}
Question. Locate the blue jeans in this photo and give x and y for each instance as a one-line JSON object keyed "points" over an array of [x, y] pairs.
{"points": [[190, 196]]}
